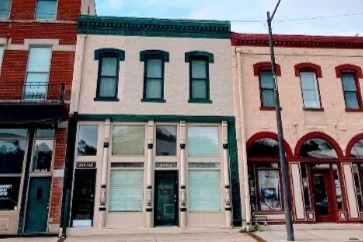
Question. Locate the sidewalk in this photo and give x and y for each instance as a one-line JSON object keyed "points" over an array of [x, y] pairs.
{"points": [[314, 232], [154, 235]]}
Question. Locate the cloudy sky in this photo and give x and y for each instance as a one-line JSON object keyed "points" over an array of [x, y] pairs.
{"points": [[315, 17]]}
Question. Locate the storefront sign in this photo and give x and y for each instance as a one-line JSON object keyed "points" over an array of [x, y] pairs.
{"points": [[166, 165], [83, 165]]}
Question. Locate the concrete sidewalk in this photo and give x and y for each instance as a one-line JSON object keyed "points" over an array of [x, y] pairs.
{"points": [[153, 235], [314, 232]]}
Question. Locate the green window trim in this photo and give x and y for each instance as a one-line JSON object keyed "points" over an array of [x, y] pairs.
{"points": [[154, 78], [101, 55], [199, 78]]}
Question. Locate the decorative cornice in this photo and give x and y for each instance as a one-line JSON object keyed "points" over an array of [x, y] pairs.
{"points": [[298, 41], [128, 26]]}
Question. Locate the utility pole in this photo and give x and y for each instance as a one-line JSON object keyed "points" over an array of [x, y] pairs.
{"points": [[283, 163]]}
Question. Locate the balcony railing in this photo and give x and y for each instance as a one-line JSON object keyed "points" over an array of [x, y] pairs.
{"points": [[33, 92]]}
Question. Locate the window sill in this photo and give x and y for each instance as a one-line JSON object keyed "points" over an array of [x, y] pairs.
{"points": [[106, 99], [314, 109], [268, 108], [151, 100], [354, 110], [206, 101]]}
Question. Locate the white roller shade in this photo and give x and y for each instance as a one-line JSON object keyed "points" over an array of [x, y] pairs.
{"points": [[126, 191], [204, 191], [128, 140]]}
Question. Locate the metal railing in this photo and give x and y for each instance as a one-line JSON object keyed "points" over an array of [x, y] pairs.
{"points": [[32, 92]]}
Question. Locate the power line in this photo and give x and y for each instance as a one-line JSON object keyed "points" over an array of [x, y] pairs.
{"points": [[300, 19]]}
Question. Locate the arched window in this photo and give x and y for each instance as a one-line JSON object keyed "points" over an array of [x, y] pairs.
{"points": [[264, 175], [355, 152], [317, 148]]}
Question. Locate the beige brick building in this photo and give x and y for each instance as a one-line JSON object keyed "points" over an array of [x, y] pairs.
{"points": [[320, 83]]}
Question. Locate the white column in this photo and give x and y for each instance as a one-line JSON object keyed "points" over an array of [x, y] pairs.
{"points": [[103, 196], [149, 175], [183, 197], [243, 171], [226, 180], [350, 190]]}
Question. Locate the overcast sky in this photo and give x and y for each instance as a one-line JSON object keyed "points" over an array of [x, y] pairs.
{"points": [[314, 17]]}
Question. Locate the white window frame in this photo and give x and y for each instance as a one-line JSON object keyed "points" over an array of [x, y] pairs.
{"points": [[316, 90]]}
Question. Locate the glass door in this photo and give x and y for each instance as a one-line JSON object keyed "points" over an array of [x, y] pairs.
{"points": [[166, 198]]}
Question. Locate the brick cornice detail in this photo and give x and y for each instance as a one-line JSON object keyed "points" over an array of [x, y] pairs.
{"points": [[298, 41], [349, 68]]}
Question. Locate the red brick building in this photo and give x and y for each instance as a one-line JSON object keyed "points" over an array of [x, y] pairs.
{"points": [[37, 51]]}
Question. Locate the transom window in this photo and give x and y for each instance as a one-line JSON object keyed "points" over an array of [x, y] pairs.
{"points": [[46, 10], [108, 73], [350, 90], [317, 148], [154, 74], [5, 9], [199, 89]]}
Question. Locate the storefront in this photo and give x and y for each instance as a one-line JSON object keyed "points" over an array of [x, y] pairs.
{"points": [[151, 174]]}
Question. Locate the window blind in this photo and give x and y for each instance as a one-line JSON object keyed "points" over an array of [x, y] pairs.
{"points": [[204, 191], [126, 191], [128, 140]]}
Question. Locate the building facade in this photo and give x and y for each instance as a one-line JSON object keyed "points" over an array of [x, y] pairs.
{"points": [[155, 140], [320, 83], [37, 47]]}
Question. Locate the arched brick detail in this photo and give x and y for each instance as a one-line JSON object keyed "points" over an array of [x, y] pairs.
{"points": [[265, 66], [351, 143], [270, 135], [319, 135], [306, 66], [349, 68]]}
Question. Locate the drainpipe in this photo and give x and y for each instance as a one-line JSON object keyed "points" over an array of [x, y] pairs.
{"points": [[243, 138], [149, 175]]}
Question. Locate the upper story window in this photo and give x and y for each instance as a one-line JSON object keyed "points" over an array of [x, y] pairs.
{"points": [[267, 83], [350, 75], [37, 75], [108, 73], [154, 74], [309, 84], [1, 56], [46, 10], [199, 90], [5, 9]]}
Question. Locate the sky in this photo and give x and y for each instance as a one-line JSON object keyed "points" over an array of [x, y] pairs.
{"points": [[310, 17]]}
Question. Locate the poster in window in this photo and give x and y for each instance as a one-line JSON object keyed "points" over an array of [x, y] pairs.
{"points": [[269, 190], [9, 192]]}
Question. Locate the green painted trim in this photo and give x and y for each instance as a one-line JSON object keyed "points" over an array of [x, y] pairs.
{"points": [[235, 182], [106, 99], [110, 52], [153, 100], [194, 100], [152, 27], [156, 118], [154, 54], [199, 54]]}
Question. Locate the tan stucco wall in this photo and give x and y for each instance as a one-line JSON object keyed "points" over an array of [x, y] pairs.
{"points": [[176, 81], [333, 121]]}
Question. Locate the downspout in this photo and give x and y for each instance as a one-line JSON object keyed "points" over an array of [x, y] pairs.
{"points": [[71, 136], [243, 138]]}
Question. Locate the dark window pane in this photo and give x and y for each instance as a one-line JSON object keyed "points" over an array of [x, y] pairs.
{"points": [[267, 80], [349, 82], [317, 148], [13, 133], [166, 140], [9, 192], [42, 156], [154, 68], [45, 133], [199, 89], [11, 155], [109, 66], [264, 147], [199, 69], [268, 98], [351, 100], [107, 87], [87, 140], [357, 150], [153, 88]]}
